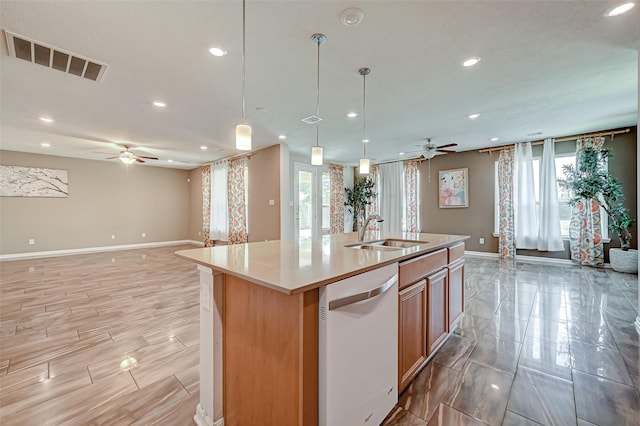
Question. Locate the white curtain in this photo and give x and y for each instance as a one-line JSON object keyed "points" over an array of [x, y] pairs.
{"points": [[391, 196], [549, 237], [219, 201], [526, 216]]}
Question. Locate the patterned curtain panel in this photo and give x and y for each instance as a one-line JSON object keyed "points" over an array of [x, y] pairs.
{"points": [[237, 201], [585, 238], [336, 199], [411, 195], [374, 207], [206, 203], [506, 242]]}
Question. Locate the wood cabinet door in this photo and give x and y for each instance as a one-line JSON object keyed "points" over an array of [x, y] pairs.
{"points": [[437, 312], [412, 332], [456, 292]]}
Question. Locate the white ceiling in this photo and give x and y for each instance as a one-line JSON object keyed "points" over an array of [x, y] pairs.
{"points": [[556, 67]]}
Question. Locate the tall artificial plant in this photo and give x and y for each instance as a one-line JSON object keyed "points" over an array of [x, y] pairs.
{"points": [[358, 198], [591, 180]]}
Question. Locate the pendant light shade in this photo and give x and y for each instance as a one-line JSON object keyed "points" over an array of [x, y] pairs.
{"points": [[364, 166], [317, 151], [316, 156], [364, 161], [243, 137], [243, 131]]}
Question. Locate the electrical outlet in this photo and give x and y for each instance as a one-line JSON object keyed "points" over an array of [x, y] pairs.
{"points": [[31, 241], [32, 268], [272, 202], [144, 235], [481, 240], [113, 237], [199, 233]]}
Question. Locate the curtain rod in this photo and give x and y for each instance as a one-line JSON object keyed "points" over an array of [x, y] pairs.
{"points": [[222, 160], [567, 138]]}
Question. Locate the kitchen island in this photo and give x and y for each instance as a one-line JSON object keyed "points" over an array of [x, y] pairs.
{"points": [[260, 308]]}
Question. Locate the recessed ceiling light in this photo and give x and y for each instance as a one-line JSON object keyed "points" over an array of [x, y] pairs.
{"points": [[46, 119], [494, 139], [159, 104], [471, 61], [351, 17], [352, 114], [217, 51], [169, 161], [282, 137], [45, 144], [401, 153], [204, 148], [620, 9], [474, 116], [365, 140]]}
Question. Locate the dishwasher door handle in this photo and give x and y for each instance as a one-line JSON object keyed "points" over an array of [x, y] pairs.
{"points": [[359, 297]]}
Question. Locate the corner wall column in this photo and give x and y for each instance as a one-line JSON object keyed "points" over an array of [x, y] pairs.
{"points": [[209, 409]]}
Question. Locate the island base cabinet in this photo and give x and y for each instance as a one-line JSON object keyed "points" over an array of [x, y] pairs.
{"points": [[437, 327], [456, 292], [412, 343], [270, 356]]}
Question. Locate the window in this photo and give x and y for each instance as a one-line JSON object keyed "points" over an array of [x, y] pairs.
{"points": [[563, 196]]}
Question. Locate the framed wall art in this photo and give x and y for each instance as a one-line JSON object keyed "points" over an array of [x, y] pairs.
{"points": [[17, 181], [453, 188]]}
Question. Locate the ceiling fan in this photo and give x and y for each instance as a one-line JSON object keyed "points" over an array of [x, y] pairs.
{"points": [[430, 149], [128, 157]]}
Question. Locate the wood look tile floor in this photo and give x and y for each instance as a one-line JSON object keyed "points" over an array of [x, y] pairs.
{"points": [[538, 345], [67, 323]]}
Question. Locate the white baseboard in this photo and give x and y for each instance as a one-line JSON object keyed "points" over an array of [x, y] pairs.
{"points": [[86, 250], [522, 259], [482, 254]]}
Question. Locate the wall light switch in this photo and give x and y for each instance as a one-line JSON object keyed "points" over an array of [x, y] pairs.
{"points": [[481, 240], [144, 235], [31, 241], [272, 202], [113, 237]]}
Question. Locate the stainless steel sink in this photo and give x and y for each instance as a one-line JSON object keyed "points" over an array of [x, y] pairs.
{"points": [[389, 244]]}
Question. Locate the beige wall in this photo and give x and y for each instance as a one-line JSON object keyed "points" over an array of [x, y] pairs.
{"points": [[477, 219], [105, 198], [264, 185], [195, 205]]}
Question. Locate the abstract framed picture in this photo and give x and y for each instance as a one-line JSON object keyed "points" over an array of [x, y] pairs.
{"points": [[17, 181], [453, 188]]}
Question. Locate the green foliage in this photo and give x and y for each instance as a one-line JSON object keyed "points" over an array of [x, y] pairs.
{"points": [[590, 180], [359, 197]]}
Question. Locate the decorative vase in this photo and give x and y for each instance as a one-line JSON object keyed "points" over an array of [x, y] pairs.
{"points": [[624, 261]]}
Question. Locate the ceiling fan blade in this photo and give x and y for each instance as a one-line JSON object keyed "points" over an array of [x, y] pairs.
{"points": [[447, 145], [446, 151], [112, 158], [139, 160], [146, 157]]}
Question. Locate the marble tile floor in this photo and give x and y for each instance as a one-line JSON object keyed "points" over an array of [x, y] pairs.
{"points": [[538, 345], [68, 323]]}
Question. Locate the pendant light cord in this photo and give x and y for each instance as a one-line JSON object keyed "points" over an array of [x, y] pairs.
{"points": [[318, 96], [243, 59], [364, 115]]}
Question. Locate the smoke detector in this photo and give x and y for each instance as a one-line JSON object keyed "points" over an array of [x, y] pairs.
{"points": [[351, 17]]}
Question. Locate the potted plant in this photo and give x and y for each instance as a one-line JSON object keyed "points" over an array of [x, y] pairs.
{"points": [[590, 180], [358, 198]]}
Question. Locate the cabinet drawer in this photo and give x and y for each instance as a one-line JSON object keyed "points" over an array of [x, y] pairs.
{"points": [[456, 252], [414, 269]]}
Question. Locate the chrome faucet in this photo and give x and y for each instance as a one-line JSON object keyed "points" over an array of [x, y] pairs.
{"points": [[363, 228]]}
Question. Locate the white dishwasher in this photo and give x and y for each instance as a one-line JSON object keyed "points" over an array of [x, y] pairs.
{"points": [[358, 349]]}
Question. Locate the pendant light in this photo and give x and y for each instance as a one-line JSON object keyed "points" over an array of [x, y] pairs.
{"points": [[316, 151], [364, 161], [243, 130]]}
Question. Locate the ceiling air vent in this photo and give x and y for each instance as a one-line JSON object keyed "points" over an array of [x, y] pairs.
{"points": [[51, 57], [312, 119]]}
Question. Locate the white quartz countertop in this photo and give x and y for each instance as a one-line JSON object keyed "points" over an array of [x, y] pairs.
{"points": [[292, 266]]}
